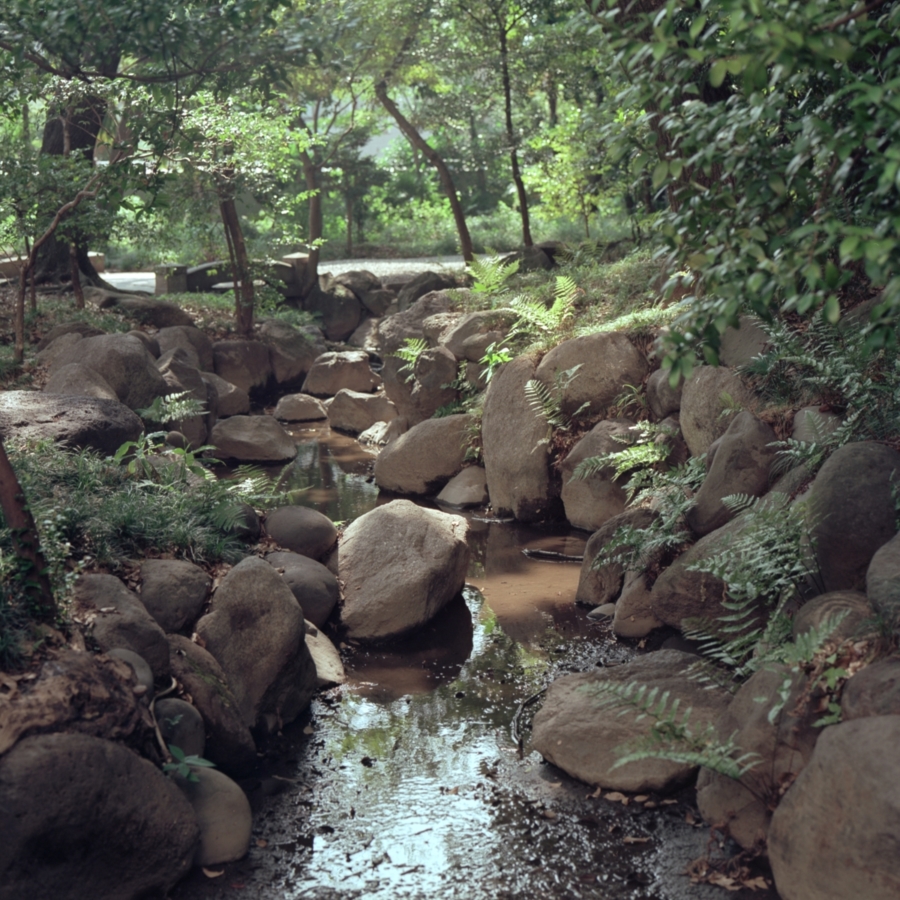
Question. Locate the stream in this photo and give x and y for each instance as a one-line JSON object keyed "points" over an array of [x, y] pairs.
{"points": [[415, 780]]}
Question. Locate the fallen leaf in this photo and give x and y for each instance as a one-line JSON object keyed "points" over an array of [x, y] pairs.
{"points": [[723, 881], [209, 873], [554, 784], [689, 818], [596, 795], [262, 843], [635, 840], [641, 798], [650, 805], [668, 802], [548, 814], [758, 883], [309, 730], [616, 797], [453, 790]]}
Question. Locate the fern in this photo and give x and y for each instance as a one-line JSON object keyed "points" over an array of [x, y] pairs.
{"points": [[490, 274], [547, 404], [172, 408], [412, 349], [644, 452], [535, 316]]}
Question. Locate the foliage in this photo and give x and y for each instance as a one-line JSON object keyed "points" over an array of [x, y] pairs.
{"points": [[546, 402], [536, 317], [411, 350], [490, 274], [645, 450], [172, 408], [494, 357], [183, 765]]}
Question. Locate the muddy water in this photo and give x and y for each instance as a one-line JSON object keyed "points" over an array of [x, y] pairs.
{"points": [[415, 779]]}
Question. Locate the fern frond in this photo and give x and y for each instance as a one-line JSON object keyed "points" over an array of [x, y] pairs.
{"points": [[490, 273], [543, 404]]}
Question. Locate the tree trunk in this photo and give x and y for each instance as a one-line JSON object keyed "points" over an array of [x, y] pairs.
{"points": [[26, 542], [240, 266], [349, 207], [314, 222], [511, 138], [415, 138]]}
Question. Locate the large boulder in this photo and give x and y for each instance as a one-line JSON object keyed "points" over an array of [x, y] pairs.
{"points": [[302, 530], [355, 411], [123, 362], [119, 619], [173, 591], [424, 459], [834, 834], [740, 345], [634, 617], [232, 400], [85, 817], [741, 465], [608, 361], [852, 511], [883, 581], [852, 608], [292, 350], [591, 502], [338, 309], [146, 310], [394, 330], [421, 285], [337, 371], [78, 422], [229, 742], [873, 691], [255, 631], [77, 380], [246, 364], [581, 727], [312, 584], [662, 398], [516, 446], [494, 322], [428, 389], [468, 488], [85, 329], [360, 281], [707, 394], [400, 564], [182, 377], [195, 342], [252, 439], [300, 408]]}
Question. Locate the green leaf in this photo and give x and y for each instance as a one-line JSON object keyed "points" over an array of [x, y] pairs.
{"points": [[717, 72]]}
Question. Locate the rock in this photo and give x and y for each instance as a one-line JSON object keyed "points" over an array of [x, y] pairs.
{"points": [[223, 814], [467, 489], [313, 586], [302, 530], [376, 434], [740, 345], [173, 591], [438, 325], [255, 631], [812, 426], [84, 817], [604, 611], [475, 347], [378, 302], [84, 329], [366, 336], [634, 615], [147, 340], [329, 668], [852, 605], [591, 502], [181, 725], [198, 346], [834, 834], [143, 675], [580, 730], [58, 347], [883, 581], [333, 372], [338, 308], [183, 378], [852, 512], [252, 439], [598, 585], [246, 364], [873, 691], [706, 395], [424, 459], [300, 408], [782, 747], [82, 422], [608, 362], [430, 388], [292, 350], [354, 411], [78, 692], [400, 564], [394, 330], [232, 400], [123, 363], [229, 742], [146, 310], [530, 259], [77, 380], [120, 620], [360, 281], [421, 285], [741, 465], [515, 446]]}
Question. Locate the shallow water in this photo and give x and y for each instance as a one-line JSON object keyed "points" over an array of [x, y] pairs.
{"points": [[411, 781]]}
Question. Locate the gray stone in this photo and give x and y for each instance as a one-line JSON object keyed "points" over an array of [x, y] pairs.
{"points": [[354, 411], [181, 725], [223, 814], [329, 668], [741, 465], [230, 744], [232, 400], [292, 350], [142, 673], [424, 459], [378, 301], [394, 330], [580, 730], [834, 834], [120, 620], [883, 581], [706, 395], [418, 399], [85, 329], [338, 308], [515, 446], [182, 377], [366, 336], [634, 616], [360, 281], [246, 364], [439, 325], [188, 338], [852, 605], [740, 345], [591, 502], [400, 564], [173, 591], [467, 489], [608, 362], [313, 586], [332, 372], [303, 530], [873, 691], [58, 347], [255, 631], [77, 380], [662, 398], [150, 342], [299, 408], [812, 426], [84, 817], [481, 324], [852, 512], [421, 285], [252, 439], [147, 311]]}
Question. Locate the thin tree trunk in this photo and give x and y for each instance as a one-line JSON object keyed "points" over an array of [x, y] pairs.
{"points": [[314, 221], [415, 138], [76, 277], [26, 541], [244, 299], [349, 208], [511, 139]]}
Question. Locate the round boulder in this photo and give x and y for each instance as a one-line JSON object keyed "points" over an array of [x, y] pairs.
{"points": [[710, 391], [303, 530], [314, 586], [333, 372], [252, 439], [173, 591]]}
